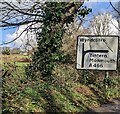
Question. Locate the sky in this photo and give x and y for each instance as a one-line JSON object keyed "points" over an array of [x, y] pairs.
{"points": [[96, 5]]}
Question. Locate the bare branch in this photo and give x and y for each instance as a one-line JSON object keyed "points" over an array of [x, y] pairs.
{"points": [[114, 7], [21, 11], [18, 24], [17, 36], [15, 15]]}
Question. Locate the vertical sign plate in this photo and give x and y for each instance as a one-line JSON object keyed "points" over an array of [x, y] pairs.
{"points": [[97, 52]]}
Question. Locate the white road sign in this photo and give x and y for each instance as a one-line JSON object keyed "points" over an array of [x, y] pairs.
{"points": [[97, 52]]}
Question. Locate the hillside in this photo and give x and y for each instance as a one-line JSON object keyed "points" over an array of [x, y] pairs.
{"points": [[71, 90]]}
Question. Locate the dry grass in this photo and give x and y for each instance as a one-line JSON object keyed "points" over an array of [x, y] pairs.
{"points": [[14, 58]]}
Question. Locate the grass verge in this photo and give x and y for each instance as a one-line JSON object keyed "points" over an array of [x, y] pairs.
{"points": [[65, 94]]}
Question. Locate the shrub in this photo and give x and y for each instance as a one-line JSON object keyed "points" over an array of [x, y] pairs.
{"points": [[6, 51]]}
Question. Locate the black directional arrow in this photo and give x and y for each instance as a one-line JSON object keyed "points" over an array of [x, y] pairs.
{"points": [[88, 51]]}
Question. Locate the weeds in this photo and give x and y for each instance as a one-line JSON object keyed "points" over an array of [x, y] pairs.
{"points": [[65, 94]]}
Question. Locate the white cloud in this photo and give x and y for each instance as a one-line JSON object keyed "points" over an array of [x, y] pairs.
{"points": [[23, 38]]}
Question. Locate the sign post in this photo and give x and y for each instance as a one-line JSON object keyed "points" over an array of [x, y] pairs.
{"points": [[97, 52]]}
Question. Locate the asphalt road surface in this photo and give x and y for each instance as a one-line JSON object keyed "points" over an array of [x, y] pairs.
{"points": [[113, 107]]}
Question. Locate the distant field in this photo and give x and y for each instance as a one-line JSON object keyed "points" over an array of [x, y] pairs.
{"points": [[17, 58]]}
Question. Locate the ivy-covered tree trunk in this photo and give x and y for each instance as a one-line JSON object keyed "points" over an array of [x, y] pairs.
{"points": [[49, 40]]}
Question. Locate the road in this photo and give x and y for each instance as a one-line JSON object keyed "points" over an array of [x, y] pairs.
{"points": [[113, 107]]}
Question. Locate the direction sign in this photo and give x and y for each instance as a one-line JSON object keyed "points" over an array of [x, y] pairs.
{"points": [[97, 52]]}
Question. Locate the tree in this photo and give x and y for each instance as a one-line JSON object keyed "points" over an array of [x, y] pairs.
{"points": [[116, 9], [104, 24], [15, 51], [6, 51], [52, 18]]}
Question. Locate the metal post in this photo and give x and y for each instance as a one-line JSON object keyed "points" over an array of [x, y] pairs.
{"points": [[107, 74], [106, 79], [119, 37]]}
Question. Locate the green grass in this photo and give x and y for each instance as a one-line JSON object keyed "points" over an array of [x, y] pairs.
{"points": [[114, 90], [21, 63], [66, 95], [16, 63], [38, 96], [112, 93]]}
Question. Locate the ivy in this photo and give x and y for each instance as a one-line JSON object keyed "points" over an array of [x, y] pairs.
{"points": [[49, 40]]}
